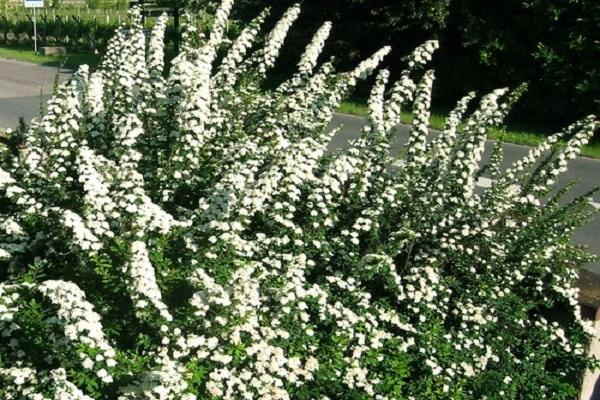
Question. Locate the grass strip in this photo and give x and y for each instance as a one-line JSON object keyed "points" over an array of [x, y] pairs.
{"points": [[71, 61]]}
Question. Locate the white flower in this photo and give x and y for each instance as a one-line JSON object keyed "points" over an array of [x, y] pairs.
{"points": [[87, 363]]}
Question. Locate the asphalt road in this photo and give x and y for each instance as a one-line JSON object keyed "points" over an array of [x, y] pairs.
{"points": [[20, 85]]}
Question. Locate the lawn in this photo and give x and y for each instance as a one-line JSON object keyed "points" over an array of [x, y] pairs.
{"points": [[27, 54]]}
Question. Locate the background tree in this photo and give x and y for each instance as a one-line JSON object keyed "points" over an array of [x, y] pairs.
{"points": [[552, 45]]}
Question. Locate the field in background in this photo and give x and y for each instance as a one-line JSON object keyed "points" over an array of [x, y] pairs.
{"points": [[75, 26]]}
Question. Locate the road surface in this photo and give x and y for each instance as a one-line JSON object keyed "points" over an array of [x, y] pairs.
{"points": [[20, 86]]}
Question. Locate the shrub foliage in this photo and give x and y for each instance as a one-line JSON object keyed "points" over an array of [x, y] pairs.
{"points": [[188, 235]]}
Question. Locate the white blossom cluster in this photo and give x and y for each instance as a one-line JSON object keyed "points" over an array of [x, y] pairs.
{"points": [[178, 232], [97, 193], [308, 61], [143, 282], [82, 235], [81, 324], [275, 39], [22, 383]]}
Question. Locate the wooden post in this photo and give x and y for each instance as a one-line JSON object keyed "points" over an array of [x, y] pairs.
{"points": [[590, 389]]}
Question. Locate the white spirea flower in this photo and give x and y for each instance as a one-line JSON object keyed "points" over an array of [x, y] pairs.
{"points": [[97, 193], [165, 383], [82, 235], [143, 281], [231, 67], [308, 61], [81, 323], [156, 52], [276, 37], [188, 234]]}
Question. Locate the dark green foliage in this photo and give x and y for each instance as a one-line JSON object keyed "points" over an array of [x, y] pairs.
{"points": [[555, 46]]}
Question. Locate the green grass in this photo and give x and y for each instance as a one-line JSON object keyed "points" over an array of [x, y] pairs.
{"points": [[27, 54], [509, 135]]}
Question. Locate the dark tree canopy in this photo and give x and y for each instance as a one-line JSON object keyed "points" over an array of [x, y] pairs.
{"points": [[554, 46]]}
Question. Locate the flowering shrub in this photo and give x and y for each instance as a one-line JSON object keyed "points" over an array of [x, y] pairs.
{"points": [[190, 236]]}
